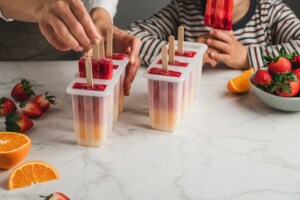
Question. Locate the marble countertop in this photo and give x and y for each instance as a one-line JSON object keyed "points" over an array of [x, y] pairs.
{"points": [[228, 147]]}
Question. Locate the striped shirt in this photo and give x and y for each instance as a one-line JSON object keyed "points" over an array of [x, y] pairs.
{"points": [[267, 26]]}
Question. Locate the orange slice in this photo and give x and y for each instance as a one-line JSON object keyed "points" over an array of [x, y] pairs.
{"points": [[14, 147], [31, 172], [241, 83]]}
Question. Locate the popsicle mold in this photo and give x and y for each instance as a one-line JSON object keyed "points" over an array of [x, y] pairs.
{"points": [[171, 95], [96, 108]]}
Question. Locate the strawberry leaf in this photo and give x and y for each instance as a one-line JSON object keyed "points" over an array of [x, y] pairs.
{"points": [[286, 88], [27, 88], [2, 100], [11, 123]]}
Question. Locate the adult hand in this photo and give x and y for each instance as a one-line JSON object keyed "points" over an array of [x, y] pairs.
{"points": [[66, 24], [122, 43], [229, 50]]}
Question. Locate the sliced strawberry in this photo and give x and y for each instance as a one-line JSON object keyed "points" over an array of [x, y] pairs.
{"points": [[262, 79], [22, 91], [55, 196], [286, 85], [44, 101], [18, 123], [7, 106], [279, 65], [31, 109]]}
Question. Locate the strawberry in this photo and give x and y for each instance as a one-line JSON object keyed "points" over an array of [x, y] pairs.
{"points": [[22, 91], [31, 109], [262, 79], [296, 60], [16, 122], [281, 64], [55, 196], [44, 101], [297, 72], [7, 106], [286, 85]]}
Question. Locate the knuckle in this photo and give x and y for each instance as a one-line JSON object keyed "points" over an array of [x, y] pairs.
{"points": [[58, 5], [76, 27], [62, 32]]}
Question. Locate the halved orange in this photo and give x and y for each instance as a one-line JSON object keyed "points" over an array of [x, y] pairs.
{"points": [[241, 83], [14, 147], [31, 172]]}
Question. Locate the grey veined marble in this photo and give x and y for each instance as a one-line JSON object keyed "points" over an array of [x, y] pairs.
{"points": [[227, 147]]}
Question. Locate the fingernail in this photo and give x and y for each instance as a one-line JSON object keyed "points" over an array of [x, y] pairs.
{"points": [[78, 49], [208, 41]]}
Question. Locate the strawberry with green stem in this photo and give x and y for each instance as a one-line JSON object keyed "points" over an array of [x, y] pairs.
{"points": [[22, 91], [286, 85], [16, 122], [279, 65], [263, 79], [44, 101], [7, 106], [55, 196]]}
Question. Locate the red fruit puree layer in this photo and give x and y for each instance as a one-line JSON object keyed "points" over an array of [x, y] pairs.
{"points": [[102, 69], [83, 86], [159, 71], [116, 66], [189, 54], [118, 56], [105, 68], [177, 63]]}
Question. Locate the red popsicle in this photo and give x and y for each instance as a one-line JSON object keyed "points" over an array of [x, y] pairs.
{"points": [[218, 14]]}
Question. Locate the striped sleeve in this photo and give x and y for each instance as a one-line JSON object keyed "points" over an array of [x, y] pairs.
{"points": [[284, 30], [154, 32]]}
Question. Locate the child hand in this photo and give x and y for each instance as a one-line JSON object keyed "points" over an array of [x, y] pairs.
{"points": [[206, 57], [229, 50]]}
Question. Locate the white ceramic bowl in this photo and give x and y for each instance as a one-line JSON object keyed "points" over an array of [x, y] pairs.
{"points": [[281, 103]]}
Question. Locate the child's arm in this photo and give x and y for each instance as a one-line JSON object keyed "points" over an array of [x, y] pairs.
{"points": [[154, 32], [284, 28]]}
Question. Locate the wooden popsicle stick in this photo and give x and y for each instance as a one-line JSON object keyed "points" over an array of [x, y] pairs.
{"points": [[164, 55], [88, 52], [101, 49], [109, 42], [171, 49], [180, 39], [89, 72], [96, 51]]}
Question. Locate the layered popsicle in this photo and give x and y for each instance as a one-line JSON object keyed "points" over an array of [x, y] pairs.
{"points": [[172, 92], [165, 98], [218, 14], [97, 97]]}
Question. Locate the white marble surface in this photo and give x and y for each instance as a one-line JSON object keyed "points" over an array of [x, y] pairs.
{"points": [[227, 148]]}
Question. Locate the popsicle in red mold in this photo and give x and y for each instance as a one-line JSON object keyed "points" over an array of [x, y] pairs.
{"points": [[218, 14]]}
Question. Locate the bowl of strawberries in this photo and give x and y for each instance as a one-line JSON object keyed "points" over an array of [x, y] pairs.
{"points": [[278, 84]]}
